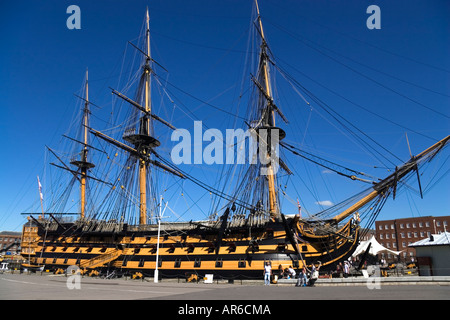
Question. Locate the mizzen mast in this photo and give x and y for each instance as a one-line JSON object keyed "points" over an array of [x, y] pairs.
{"points": [[83, 164]]}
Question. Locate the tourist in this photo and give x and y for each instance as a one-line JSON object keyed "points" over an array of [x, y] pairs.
{"points": [[280, 271], [302, 280], [314, 274], [292, 272], [267, 273], [346, 269]]}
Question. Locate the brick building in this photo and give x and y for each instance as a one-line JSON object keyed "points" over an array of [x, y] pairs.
{"points": [[10, 242], [398, 234]]}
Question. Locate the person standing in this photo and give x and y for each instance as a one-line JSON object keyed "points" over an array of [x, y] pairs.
{"points": [[346, 269], [314, 275], [267, 273]]}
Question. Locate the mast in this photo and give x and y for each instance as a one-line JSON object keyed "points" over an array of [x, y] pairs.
{"points": [[145, 129], [84, 154], [83, 163], [269, 117], [143, 141]]}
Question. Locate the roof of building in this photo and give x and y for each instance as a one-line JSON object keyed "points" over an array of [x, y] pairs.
{"points": [[434, 240], [10, 233]]}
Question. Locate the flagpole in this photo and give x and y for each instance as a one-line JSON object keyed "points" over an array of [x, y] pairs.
{"points": [[299, 209], [40, 196], [156, 274]]}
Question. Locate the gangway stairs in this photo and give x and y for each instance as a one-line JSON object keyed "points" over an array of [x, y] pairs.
{"points": [[102, 259]]}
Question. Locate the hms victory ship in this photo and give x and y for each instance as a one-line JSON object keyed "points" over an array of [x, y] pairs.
{"points": [[124, 233]]}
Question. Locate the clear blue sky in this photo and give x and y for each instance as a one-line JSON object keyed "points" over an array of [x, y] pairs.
{"points": [[203, 45]]}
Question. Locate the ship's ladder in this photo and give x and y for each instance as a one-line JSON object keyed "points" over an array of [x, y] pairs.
{"points": [[102, 259]]}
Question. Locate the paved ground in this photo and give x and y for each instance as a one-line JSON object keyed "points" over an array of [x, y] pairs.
{"points": [[51, 287]]}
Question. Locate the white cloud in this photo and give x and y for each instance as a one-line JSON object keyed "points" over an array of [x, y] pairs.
{"points": [[326, 203]]}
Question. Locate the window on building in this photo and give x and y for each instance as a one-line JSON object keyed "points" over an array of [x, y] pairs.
{"points": [[402, 235], [392, 227], [407, 225], [427, 224], [402, 226], [381, 236]]}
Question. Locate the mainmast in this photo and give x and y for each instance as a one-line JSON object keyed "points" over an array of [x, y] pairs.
{"points": [[83, 163], [143, 141], [144, 129]]}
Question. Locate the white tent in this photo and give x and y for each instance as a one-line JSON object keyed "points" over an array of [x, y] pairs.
{"points": [[375, 247]]}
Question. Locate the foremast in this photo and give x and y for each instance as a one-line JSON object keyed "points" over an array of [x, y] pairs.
{"points": [[268, 119]]}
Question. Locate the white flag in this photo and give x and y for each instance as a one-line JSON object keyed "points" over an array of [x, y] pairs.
{"points": [[40, 189]]}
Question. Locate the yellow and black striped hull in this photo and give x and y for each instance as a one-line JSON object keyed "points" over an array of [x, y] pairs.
{"points": [[186, 249]]}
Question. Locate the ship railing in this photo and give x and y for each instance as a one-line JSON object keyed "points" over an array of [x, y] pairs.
{"points": [[101, 226], [129, 132]]}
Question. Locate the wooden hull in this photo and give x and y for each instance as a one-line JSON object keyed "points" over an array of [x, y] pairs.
{"points": [[186, 249]]}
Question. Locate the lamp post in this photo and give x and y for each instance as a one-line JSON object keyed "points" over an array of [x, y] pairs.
{"points": [[156, 275]]}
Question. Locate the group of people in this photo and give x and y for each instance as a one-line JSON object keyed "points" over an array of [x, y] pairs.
{"points": [[287, 273], [290, 273], [343, 270]]}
